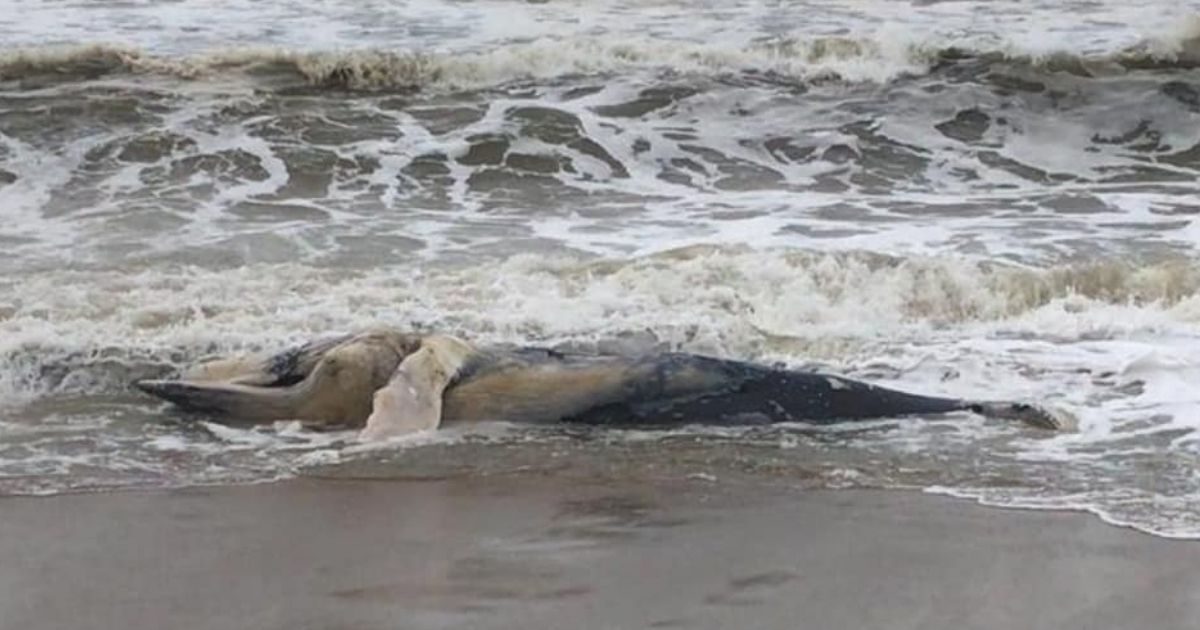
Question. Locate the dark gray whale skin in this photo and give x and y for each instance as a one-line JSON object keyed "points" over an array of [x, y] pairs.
{"points": [[676, 388], [751, 394]]}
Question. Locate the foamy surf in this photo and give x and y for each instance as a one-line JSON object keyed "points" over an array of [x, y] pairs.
{"points": [[94, 332], [981, 153], [879, 58]]}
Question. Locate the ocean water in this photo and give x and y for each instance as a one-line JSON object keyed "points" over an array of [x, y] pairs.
{"points": [[979, 198]]}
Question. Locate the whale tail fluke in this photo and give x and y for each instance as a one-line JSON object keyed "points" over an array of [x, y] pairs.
{"points": [[839, 399], [1042, 417]]}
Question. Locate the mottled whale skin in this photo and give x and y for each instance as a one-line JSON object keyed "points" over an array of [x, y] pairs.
{"points": [[537, 385], [332, 382]]}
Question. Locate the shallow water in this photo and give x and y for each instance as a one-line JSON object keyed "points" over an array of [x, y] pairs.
{"points": [[972, 199]]}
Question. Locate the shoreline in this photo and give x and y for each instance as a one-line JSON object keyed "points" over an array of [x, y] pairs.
{"points": [[521, 551]]}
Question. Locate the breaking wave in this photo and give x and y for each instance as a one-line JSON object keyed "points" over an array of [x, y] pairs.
{"points": [[787, 58], [94, 332]]}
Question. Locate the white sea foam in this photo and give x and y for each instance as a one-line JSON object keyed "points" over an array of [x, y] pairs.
{"points": [[77, 331], [717, 164], [878, 55], [191, 26], [1148, 512]]}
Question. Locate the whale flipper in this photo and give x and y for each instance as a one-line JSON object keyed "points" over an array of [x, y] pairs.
{"points": [[412, 399]]}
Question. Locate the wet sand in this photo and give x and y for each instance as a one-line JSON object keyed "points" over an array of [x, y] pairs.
{"points": [[534, 552]]}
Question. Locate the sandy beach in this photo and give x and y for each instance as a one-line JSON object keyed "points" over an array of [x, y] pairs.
{"points": [[536, 552]]}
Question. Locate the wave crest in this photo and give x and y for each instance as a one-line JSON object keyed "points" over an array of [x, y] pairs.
{"points": [[73, 332], [879, 58]]}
